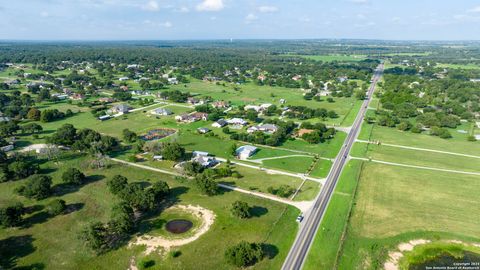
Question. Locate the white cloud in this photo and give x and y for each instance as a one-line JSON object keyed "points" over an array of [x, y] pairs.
{"points": [[44, 14], [166, 24], [183, 9], [362, 2], [250, 18], [466, 18], [151, 6], [267, 9], [475, 9], [304, 19], [211, 5]]}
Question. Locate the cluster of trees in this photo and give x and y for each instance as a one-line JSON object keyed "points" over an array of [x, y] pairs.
{"points": [[240, 209], [11, 215], [37, 187], [17, 167], [437, 102], [319, 134], [175, 96], [15, 105], [129, 136], [50, 115], [303, 113], [284, 191], [122, 95], [138, 197], [244, 254], [85, 140], [102, 237]]}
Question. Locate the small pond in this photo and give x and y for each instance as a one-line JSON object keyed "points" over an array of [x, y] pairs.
{"points": [[445, 260], [178, 226]]}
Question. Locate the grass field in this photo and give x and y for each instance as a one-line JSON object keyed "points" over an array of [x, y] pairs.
{"points": [[294, 164], [421, 158], [457, 144], [53, 242], [324, 249], [457, 66], [396, 204]]}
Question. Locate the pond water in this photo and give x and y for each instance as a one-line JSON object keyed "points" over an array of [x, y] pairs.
{"points": [[446, 260], [178, 226]]}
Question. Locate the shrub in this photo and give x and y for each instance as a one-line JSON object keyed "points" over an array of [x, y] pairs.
{"points": [[56, 207], [244, 254], [240, 209], [73, 176]]}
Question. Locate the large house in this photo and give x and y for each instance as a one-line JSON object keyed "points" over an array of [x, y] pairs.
{"points": [[220, 123], [162, 111], [172, 81], [195, 101], [246, 151], [266, 128], [256, 108], [204, 159], [121, 108], [193, 117], [237, 122], [221, 104]]}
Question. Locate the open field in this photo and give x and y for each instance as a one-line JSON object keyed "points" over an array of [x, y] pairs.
{"points": [[457, 144], [419, 158], [396, 204], [324, 249], [294, 164], [457, 66], [53, 242]]}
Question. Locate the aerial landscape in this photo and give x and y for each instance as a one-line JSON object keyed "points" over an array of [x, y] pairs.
{"points": [[213, 134]]}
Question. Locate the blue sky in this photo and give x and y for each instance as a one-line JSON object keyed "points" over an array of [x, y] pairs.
{"points": [[239, 19]]}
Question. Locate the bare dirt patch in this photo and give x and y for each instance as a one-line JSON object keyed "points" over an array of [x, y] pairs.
{"points": [[395, 256], [154, 243]]}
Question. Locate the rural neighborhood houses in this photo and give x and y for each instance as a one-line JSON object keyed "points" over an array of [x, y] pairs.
{"points": [[246, 151], [121, 108], [162, 111], [204, 159], [192, 117], [220, 123], [266, 128]]}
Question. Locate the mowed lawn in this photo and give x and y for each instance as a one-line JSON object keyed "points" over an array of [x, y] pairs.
{"points": [[324, 249], [294, 164], [458, 143], [395, 204], [52, 242], [420, 158]]}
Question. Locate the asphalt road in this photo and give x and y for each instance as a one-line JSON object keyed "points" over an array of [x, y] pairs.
{"points": [[313, 218]]}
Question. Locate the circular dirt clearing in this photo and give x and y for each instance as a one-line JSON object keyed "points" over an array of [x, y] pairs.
{"points": [[178, 226]]}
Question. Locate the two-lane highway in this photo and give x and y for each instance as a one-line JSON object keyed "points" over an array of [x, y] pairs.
{"points": [[313, 218]]}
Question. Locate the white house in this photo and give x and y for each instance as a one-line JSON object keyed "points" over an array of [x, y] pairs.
{"points": [[267, 128], [246, 151], [172, 80], [237, 122], [252, 107], [162, 111], [122, 79]]}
